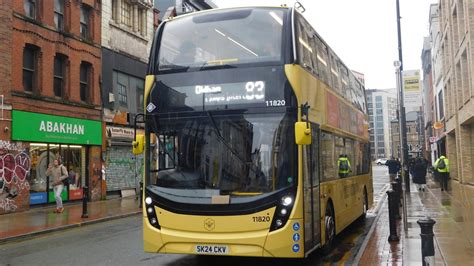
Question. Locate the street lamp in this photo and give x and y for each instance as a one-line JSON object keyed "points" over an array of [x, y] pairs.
{"points": [[402, 119]]}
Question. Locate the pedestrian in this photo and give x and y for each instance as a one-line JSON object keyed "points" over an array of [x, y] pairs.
{"points": [[59, 173], [344, 165], [419, 173], [442, 167], [393, 168]]}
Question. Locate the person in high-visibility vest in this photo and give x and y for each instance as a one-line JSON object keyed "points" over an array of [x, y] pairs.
{"points": [[442, 166], [343, 165]]}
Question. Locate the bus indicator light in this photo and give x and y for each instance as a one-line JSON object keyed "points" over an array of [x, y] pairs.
{"points": [[279, 223], [283, 212]]}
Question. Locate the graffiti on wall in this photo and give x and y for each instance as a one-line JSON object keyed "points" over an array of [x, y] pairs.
{"points": [[123, 168], [95, 173], [15, 166]]}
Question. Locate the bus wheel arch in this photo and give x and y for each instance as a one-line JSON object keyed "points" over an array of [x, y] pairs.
{"points": [[329, 227]]}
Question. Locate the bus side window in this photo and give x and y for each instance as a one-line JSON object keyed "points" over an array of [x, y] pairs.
{"points": [[167, 152]]}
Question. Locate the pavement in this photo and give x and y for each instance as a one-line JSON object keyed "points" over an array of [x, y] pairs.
{"points": [[41, 220], [453, 212], [453, 231]]}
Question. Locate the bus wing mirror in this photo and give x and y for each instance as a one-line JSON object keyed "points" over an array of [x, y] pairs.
{"points": [[138, 144], [303, 133]]}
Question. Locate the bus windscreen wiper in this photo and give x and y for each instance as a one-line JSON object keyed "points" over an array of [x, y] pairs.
{"points": [[174, 68], [225, 142]]}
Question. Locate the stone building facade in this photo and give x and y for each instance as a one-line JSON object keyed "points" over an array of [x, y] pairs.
{"points": [[456, 24], [414, 139], [127, 35]]}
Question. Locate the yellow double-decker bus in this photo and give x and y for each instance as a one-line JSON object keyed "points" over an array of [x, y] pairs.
{"points": [[247, 113]]}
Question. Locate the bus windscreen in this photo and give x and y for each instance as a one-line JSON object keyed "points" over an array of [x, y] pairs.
{"points": [[231, 38]]}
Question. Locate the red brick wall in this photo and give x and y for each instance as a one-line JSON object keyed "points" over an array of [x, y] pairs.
{"points": [[42, 33], [5, 63]]}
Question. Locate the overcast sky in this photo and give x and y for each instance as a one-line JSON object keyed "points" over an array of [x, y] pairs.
{"points": [[363, 33]]}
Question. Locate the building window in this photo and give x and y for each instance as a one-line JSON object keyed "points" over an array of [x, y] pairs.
{"points": [[441, 103], [140, 98], [142, 21], [85, 22], [85, 81], [122, 93], [59, 14], [59, 73], [30, 8], [126, 17], [30, 58]]}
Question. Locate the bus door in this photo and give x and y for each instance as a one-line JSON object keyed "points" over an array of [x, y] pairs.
{"points": [[311, 172]]}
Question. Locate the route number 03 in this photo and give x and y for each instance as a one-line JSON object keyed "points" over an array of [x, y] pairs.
{"points": [[255, 90]]}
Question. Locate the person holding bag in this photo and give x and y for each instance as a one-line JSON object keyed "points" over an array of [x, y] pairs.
{"points": [[59, 174]]}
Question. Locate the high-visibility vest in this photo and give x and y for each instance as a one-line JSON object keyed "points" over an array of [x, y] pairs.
{"points": [[446, 162], [339, 163]]}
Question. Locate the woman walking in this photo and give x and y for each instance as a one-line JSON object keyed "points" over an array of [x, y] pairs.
{"points": [[419, 173], [58, 172]]}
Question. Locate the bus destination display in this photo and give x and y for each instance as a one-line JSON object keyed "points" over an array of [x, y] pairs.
{"points": [[223, 94]]}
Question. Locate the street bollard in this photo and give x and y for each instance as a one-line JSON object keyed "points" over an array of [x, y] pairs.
{"points": [[141, 195], [398, 179], [85, 191], [427, 246], [396, 196], [392, 205]]}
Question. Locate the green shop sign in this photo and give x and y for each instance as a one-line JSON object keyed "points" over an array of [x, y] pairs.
{"points": [[35, 127]]}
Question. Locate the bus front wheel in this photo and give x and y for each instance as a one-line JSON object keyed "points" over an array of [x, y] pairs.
{"points": [[330, 225]]}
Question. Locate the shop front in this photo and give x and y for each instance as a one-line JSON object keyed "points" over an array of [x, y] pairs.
{"points": [[123, 169], [44, 138]]}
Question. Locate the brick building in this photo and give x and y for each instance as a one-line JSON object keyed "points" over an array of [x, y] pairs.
{"points": [[456, 20], [55, 100]]}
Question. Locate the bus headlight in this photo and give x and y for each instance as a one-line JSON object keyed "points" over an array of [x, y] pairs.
{"points": [[148, 200], [150, 210], [286, 201], [283, 211]]}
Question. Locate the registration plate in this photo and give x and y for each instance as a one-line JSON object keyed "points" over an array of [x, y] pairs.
{"points": [[212, 249]]}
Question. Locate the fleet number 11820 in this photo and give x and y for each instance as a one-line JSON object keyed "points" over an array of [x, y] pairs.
{"points": [[275, 103]]}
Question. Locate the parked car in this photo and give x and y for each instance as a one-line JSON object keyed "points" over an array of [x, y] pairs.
{"points": [[381, 161]]}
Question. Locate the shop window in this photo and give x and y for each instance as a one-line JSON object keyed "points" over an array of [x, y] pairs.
{"points": [[41, 185], [59, 14]]}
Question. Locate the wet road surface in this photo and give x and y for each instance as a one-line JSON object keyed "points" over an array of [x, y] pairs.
{"points": [[120, 242]]}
